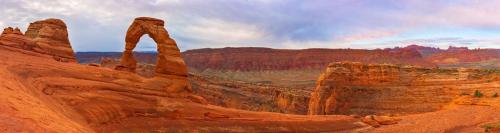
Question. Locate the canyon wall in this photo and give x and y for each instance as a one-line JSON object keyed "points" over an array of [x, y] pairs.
{"points": [[250, 96], [356, 88], [260, 59]]}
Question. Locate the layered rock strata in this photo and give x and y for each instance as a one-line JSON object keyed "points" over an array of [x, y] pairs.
{"points": [[49, 37], [250, 96], [356, 88]]}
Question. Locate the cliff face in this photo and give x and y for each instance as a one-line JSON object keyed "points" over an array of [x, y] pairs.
{"points": [[261, 59], [476, 58], [355, 88], [250, 96], [252, 59]]}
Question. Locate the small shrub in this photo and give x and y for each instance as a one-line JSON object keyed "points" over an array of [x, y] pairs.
{"points": [[477, 93], [358, 88], [487, 127], [495, 95]]}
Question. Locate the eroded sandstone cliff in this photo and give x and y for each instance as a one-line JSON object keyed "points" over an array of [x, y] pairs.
{"points": [[48, 37], [356, 88]]}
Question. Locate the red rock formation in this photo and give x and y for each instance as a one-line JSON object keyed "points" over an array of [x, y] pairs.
{"points": [[250, 96], [477, 58], [18, 40], [40, 94], [346, 88], [169, 59], [52, 36], [49, 37], [261, 59]]}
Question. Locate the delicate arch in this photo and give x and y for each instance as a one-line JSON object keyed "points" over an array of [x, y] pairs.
{"points": [[168, 60]]}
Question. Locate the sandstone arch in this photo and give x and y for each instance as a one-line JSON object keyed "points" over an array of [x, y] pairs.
{"points": [[168, 60]]}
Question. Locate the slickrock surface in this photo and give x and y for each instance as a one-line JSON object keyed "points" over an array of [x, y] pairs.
{"points": [[461, 119], [346, 88]]}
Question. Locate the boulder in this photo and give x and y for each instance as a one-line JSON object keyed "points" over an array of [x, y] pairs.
{"points": [[370, 121], [376, 121], [386, 120]]}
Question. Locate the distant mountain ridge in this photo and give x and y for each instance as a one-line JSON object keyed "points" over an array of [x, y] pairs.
{"points": [[261, 59]]}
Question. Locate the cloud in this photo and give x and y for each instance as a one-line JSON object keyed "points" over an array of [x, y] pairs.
{"points": [[97, 25], [219, 31]]}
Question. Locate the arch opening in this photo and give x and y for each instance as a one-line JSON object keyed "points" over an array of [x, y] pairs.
{"points": [[168, 59]]}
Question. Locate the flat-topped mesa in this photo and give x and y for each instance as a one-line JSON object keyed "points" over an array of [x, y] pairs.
{"points": [[169, 60], [355, 88], [356, 73], [52, 36]]}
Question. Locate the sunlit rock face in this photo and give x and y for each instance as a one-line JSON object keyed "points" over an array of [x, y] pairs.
{"points": [[52, 36], [355, 88], [169, 59], [48, 36]]}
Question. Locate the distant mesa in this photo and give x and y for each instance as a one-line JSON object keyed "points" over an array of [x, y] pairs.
{"points": [[169, 59]]}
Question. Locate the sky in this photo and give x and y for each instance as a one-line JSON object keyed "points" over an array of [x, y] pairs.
{"points": [[100, 25]]}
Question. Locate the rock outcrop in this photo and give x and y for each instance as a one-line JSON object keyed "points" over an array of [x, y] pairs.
{"points": [[14, 38], [355, 88], [48, 37], [169, 59], [52, 36]]}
